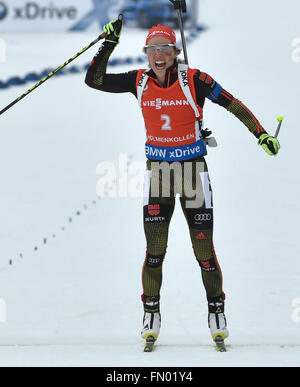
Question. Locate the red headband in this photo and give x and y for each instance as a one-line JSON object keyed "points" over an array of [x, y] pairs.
{"points": [[164, 31]]}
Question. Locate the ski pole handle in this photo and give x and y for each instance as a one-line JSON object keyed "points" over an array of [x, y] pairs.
{"points": [[179, 4], [279, 119]]}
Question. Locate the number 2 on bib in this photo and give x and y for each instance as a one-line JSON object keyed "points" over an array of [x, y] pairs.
{"points": [[167, 120]]}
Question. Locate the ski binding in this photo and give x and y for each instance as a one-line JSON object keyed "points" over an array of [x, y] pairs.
{"points": [[219, 340], [149, 344]]}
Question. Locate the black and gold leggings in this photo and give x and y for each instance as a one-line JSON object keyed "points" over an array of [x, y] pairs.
{"points": [[163, 181]]}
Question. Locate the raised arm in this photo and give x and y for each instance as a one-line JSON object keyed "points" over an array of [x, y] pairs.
{"points": [[97, 77]]}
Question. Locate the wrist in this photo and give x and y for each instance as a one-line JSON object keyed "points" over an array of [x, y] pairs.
{"points": [[109, 44], [261, 133]]}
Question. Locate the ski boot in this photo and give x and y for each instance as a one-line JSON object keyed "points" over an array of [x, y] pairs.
{"points": [[217, 322], [151, 322]]}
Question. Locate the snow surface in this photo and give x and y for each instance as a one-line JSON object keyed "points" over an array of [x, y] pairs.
{"points": [[75, 300]]}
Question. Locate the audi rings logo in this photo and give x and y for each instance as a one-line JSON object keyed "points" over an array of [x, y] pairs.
{"points": [[3, 10], [202, 217]]}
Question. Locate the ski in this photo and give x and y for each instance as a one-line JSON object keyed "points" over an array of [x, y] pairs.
{"points": [[220, 345], [149, 344]]}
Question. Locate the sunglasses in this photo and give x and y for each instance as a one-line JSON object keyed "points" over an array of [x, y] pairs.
{"points": [[166, 48]]}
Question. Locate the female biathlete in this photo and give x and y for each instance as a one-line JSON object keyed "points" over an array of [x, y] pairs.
{"points": [[172, 96]]}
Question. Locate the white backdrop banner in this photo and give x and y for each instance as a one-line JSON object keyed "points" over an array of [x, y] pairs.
{"points": [[80, 15], [56, 15]]}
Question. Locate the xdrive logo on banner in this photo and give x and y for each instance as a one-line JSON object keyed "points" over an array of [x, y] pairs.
{"points": [[33, 10]]}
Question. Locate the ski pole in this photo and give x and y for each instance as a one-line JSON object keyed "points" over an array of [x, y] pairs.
{"points": [[279, 119], [102, 36], [180, 6], [51, 74]]}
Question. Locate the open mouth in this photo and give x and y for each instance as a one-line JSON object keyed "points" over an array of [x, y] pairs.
{"points": [[160, 65]]}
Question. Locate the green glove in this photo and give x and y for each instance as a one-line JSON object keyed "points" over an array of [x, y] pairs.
{"points": [[270, 144], [113, 30]]}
